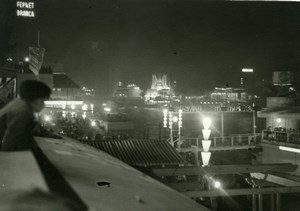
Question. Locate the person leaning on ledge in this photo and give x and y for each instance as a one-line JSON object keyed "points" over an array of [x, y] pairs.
{"points": [[17, 120]]}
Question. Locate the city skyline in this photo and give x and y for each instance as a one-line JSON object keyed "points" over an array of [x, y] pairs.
{"points": [[202, 44]]}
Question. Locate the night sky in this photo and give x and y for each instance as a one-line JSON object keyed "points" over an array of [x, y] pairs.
{"points": [[201, 44]]}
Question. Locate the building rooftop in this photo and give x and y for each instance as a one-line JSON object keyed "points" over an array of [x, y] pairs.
{"points": [[61, 80]]}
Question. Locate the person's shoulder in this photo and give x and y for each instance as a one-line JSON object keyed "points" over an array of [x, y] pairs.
{"points": [[17, 107]]}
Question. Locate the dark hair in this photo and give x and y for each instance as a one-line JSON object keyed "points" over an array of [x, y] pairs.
{"points": [[31, 90]]}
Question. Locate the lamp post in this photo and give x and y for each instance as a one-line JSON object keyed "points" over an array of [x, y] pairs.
{"points": [[171, 128], [179, 125], [254, 122], [169, 118], [206, 154]]}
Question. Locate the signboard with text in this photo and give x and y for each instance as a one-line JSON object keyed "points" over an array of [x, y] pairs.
{"points": [[25, 9]]}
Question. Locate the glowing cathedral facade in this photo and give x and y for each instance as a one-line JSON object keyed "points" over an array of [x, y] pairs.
{"points": [[160, 89]]}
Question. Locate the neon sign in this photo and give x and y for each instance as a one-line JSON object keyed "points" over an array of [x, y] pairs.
{"points": [[25, 9]]}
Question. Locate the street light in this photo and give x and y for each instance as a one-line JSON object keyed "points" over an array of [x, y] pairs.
{"points": [[179, 125], [93, 123], [84, 107], [175, 119], [171, 128], [206, 142], [26, 59], [206, 123], [217, 184], [169, 118], [107, 109], [92, 108], [47, 118], [165, 118]]}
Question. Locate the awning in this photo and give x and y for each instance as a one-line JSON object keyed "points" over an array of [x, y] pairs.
{"points": [[281, 112], [140, 153]]}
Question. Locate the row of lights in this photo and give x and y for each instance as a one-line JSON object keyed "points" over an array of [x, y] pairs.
{"points": [[48, 118], [172, 118]]}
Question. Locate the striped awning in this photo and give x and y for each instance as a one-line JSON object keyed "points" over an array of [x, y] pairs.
{"points": [[140, 153]]}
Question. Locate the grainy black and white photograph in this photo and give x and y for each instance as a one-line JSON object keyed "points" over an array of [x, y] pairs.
{"points": [[149, 105]]}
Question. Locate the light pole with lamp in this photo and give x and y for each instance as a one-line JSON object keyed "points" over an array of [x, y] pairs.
{"points": [[171, 128], [254, 122], [173, 119], [206, 154]]}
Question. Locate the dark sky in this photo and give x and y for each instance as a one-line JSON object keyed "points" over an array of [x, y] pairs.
{"points": [[202, 44]]}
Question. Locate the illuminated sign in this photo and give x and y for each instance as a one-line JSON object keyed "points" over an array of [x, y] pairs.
{"points": [[25, 9], [283, 78], [247, 70]]}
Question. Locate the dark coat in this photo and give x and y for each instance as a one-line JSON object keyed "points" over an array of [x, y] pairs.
{"points": [[16, 126]]}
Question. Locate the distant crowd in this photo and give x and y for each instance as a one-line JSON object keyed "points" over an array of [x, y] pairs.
{"points": [[282, 134], [75, 127], [283, 129]]}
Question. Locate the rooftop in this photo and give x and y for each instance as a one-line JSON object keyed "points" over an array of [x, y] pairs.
{"points": [[284, 112], [61, 80]]}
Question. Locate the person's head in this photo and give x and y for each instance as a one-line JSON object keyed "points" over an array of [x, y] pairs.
{"points": [[34, 93]]}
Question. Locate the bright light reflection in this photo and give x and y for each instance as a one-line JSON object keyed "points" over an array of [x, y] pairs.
{"points": [[289, 149], [217, 184]]}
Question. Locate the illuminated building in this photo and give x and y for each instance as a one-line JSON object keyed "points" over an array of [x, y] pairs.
{"points": [[160, 89], [88, 92], [129, 91], [247, 77], [64, 88], [281, 112], [229, 94]]}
